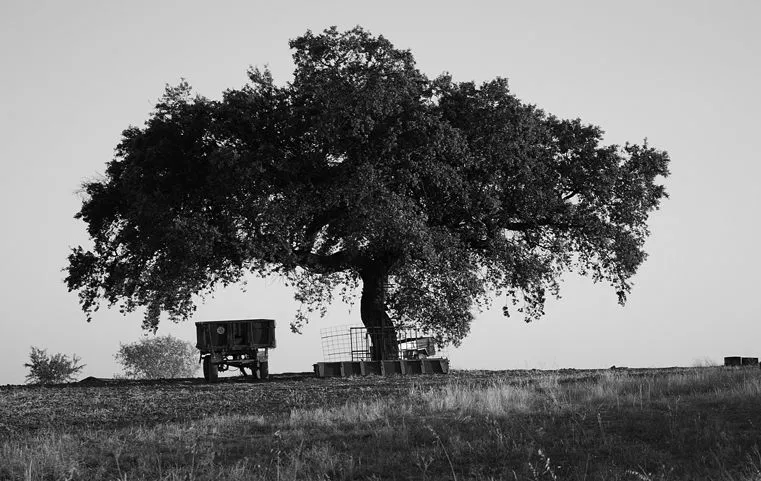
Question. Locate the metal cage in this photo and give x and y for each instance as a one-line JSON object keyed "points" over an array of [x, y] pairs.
{"points": [[354, 343]]}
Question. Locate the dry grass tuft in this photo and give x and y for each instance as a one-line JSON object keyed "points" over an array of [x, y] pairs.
{"points": [[349, 413], [496, 399]]}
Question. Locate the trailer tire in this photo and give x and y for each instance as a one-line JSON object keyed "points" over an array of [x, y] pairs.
{"points": [[210, 370], [264, 370]]}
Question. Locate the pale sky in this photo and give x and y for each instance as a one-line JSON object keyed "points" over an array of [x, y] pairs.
{"points": [[683, 74]]}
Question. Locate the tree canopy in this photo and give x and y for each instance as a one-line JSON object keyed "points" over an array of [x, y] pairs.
{"points": [[432, 194]]}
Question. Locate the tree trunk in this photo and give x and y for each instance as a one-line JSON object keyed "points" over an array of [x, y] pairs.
{"points": [[379, 327]]}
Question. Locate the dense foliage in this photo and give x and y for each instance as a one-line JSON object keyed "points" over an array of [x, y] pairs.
{"points": [[51, 369], [158, 357], [432, 194]]}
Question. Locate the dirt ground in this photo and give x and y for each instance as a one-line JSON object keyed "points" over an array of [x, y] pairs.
{"points": [[112, 404]]}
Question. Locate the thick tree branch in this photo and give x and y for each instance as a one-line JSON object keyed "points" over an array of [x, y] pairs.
{"points": [[327, 264], [316, 225], [569, 196]]}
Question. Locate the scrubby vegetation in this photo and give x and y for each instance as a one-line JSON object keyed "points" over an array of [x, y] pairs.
{"points": [[51, 369], [158, 357], [699, 423]]}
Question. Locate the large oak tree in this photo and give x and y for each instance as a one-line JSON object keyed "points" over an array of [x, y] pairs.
{"points": [[433, 195]]}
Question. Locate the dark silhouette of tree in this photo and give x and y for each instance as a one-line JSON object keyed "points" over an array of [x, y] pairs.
{"points": [[433, 195]]}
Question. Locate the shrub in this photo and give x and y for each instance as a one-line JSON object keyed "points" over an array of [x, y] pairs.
{"points": [[158, 357], [45, 369], [704, 362]]}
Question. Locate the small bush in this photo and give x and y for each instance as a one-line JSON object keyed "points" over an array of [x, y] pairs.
{"points": [[158, 357], [704, 362], [45, 369]]}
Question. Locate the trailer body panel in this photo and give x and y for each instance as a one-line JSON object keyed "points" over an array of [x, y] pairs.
{"points": [[235, 335]]}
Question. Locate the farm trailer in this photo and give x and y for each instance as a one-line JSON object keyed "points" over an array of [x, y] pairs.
{"points": [[242, 343]]}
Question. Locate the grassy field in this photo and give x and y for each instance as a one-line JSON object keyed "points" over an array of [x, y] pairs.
{"points": [[698, 423]]}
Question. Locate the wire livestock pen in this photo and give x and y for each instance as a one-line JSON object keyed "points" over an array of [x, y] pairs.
{"points": [[355, 350], [336, 344]]}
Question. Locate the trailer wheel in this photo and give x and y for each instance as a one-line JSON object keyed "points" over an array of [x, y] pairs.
{"points": [[210, 371], [263, 370]]}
